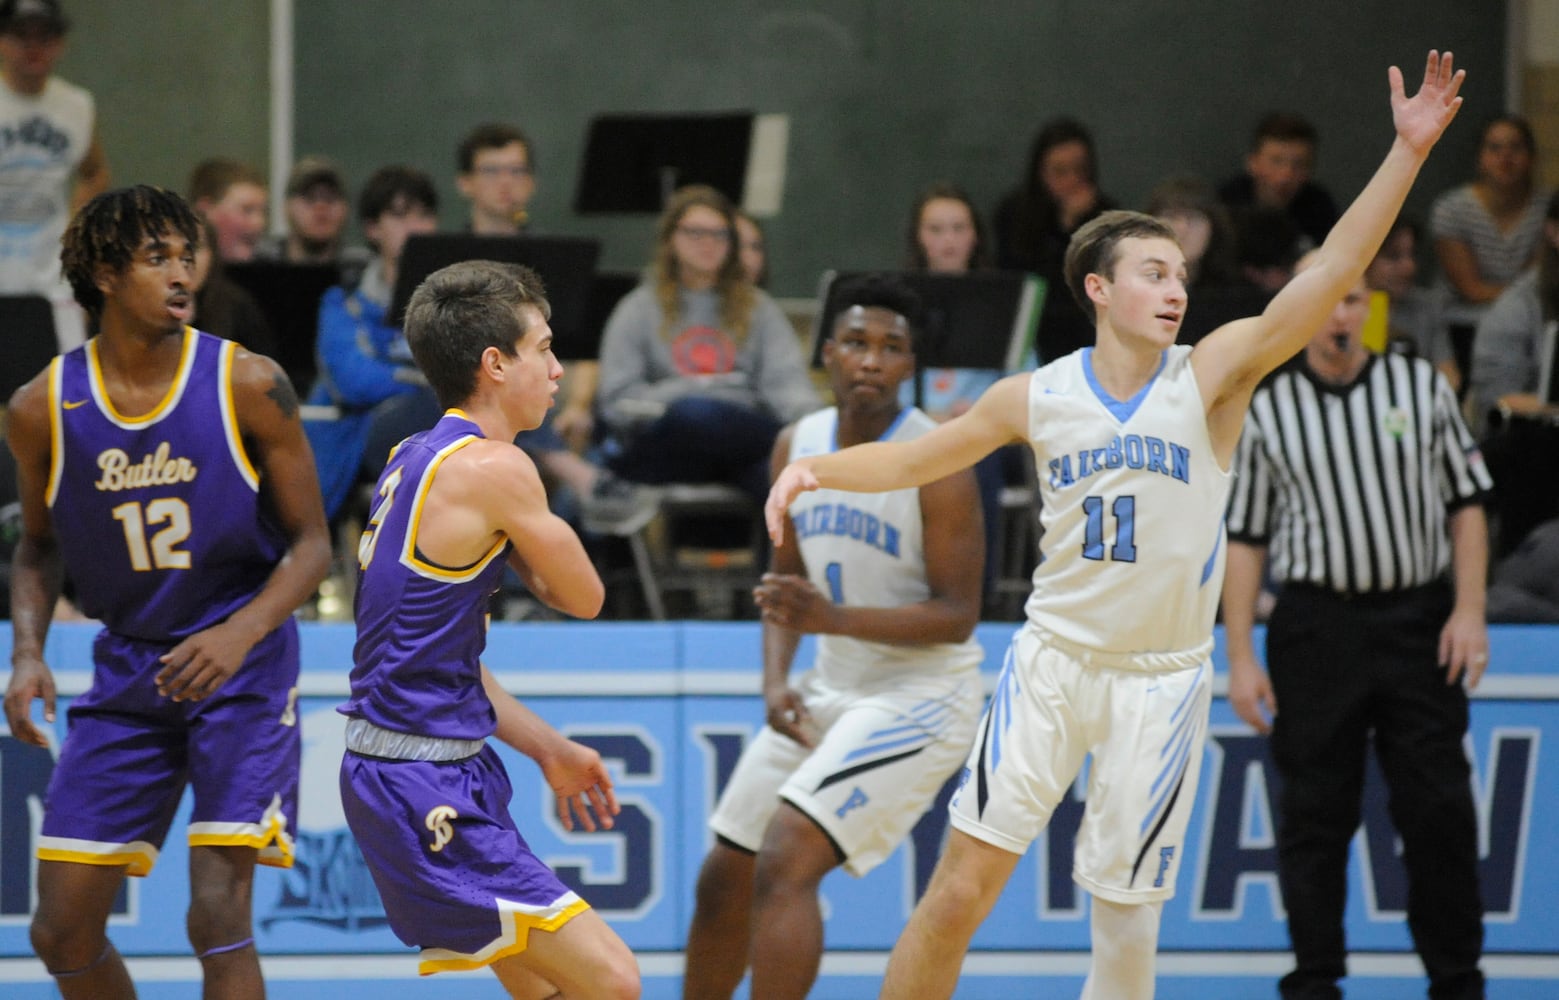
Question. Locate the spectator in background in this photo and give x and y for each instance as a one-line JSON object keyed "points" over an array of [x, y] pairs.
{"points": [[1059, 192], [1277, 176], [1518, 426], [51, 164], [1509, 345], [1269, 245], [945, 236], [365, 365], [316, 209], [498, 177], [232, 195], [1413, 319], [1202, 226], [699, 369], [223, 308], [1487, 231], [752, 249]]}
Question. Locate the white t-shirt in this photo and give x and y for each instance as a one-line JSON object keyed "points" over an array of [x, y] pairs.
{"points": [[43, 139]]}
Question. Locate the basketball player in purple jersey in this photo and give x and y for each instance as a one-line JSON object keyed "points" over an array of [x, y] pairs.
{"points": [[426, 798], [166, 473]]}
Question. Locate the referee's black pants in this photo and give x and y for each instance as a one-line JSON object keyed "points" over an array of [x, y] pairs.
{"points": [[1344, 669]]}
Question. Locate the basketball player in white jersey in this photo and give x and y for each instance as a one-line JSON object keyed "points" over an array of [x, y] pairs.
{"points": [[856, 748], [1132, 440]]}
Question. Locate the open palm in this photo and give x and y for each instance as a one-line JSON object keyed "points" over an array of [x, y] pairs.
{"points": [[1421, 119]]}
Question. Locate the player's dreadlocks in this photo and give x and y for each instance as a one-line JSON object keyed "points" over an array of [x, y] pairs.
{"points": [[111, 227]]}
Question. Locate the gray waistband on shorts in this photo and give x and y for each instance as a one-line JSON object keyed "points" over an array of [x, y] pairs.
{"points": [[365, 738]]}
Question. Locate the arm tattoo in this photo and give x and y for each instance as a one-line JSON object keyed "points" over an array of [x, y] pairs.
{"points": [[285, 398]]}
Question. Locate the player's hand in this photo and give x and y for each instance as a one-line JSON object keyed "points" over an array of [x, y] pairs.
{"points": [[30, 678], [198, 666], [1464, 647], [788, 715], [794, 480], [793, 602], [583, 787], [1250, 693], [1422, 118]]}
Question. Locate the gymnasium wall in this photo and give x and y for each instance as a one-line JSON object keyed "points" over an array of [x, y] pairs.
{"points": [[884, 96], [684, 699]]}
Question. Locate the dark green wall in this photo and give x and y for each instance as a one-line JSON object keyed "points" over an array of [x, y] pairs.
{"points": [[884, 96], [175, 81]]}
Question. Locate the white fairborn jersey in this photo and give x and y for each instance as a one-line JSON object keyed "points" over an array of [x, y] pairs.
{"points": [[1132, 551], [867, 550]]}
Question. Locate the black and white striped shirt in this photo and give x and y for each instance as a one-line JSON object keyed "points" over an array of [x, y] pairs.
{"points": [[1350, 486]]}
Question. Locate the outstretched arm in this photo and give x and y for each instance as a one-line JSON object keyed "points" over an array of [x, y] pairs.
{"points": [[998, 417], [1230, 361]]}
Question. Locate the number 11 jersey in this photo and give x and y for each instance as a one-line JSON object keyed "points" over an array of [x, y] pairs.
{"points": [[1132, 544]]}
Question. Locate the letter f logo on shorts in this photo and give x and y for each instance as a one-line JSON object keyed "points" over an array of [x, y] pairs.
{"points": [[438, 821]]}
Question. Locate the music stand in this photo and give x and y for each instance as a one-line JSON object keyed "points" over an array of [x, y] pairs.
{"points": [[606, 290], [982, 319], [1548, 362], [633, 163], [27, 328], [566, 265], [288, 295]]}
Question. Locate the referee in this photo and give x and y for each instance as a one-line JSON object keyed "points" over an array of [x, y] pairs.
{"points": [[1359, 474]]}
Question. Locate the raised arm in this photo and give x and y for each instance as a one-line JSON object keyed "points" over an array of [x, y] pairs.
{"points": [[999, 417], [1231, 360], [37, 571], [267, 411]]}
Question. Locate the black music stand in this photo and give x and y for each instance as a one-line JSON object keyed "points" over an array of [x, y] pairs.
{"points": [[1210, 307], [566, 265], [633, 163], [982, 319], [606, 290], [1548, 360], [27, 333], [288, 295]]}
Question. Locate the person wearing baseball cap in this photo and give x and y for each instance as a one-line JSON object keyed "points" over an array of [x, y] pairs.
{"points": [[316, 210], [55, 163]]}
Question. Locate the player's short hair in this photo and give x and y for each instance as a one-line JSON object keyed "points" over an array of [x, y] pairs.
{"points": [[494, 135], [882, 291], [110, 228], [459, 311], [212, 178], [1095, 247]]}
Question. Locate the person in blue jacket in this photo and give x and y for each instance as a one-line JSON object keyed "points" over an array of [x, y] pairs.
{"points": [[365, 368]]}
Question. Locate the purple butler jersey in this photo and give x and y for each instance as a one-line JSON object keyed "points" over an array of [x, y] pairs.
{"points": [[421, 627], [158, 516]]}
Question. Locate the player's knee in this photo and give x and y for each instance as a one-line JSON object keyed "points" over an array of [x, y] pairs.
{"points": [[620, 980], [954, 899], [216, 918], [65, 945], [724, 882]]}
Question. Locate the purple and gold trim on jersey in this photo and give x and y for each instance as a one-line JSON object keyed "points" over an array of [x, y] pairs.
{"points": [[138, 856], [269, 836], [409, 557], [235, 438], [169, 401], [518, 920], [56, 429]]}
